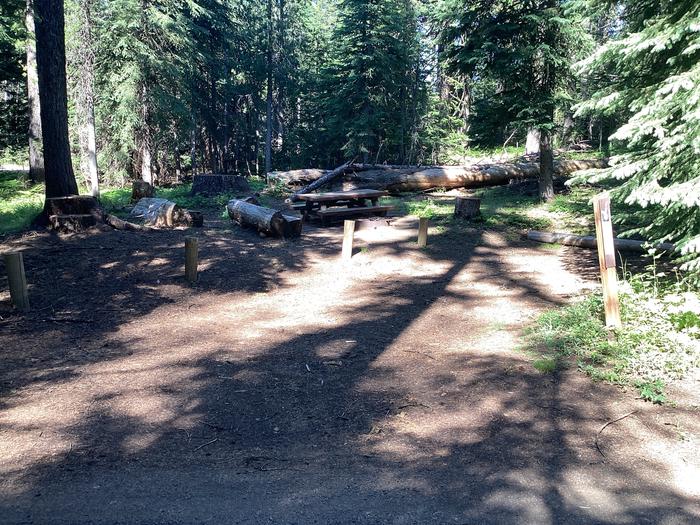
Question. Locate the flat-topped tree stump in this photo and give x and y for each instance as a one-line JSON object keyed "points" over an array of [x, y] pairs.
{"points": [[467, 207], [142, 189], [215, 184], [74, 213]]}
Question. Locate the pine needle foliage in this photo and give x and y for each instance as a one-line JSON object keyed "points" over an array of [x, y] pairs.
{"points": [[650, 74]]}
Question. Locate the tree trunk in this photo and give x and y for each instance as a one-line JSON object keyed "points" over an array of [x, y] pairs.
{"points": [[51, 70], [36, 155], [146, 172], [532, 144], [268, 130], [85, 97], [417, 178], [546, 181]]}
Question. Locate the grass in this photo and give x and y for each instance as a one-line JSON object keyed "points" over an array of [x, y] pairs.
{"points": [[19, 201], [651, 348], [504, 208]]}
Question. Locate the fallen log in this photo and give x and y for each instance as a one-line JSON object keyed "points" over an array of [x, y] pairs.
{"points": [[327, 178], [397, 179], [120, 224], [589, 241], [265, 220]]}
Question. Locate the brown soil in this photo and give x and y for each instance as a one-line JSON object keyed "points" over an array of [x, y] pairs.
{"points": [[290, 387]]}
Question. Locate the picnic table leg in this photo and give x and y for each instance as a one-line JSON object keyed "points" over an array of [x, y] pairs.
{"points": [[375, 201]]}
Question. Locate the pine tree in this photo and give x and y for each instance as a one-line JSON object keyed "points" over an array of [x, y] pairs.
{"points": [[651, 75], [372, 78], [524, 48]]}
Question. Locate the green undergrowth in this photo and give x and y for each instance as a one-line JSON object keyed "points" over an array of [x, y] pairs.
{"points": [[20, 202], [503, 207], [658, 342]]}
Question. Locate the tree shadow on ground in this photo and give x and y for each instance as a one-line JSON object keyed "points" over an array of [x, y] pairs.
{"points": [[359, 420]]}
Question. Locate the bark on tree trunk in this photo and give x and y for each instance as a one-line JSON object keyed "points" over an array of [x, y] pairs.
{"points": [[416, 178], [532, 144], [84, 59], [265, 220], [268, 127], [51, 69], [36, 155], [546, 181]]}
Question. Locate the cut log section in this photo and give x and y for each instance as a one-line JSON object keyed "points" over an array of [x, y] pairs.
{"points": [[265, 220], [398, 179], [589, 241], [163, 213], [467, 207], [215, 184]]}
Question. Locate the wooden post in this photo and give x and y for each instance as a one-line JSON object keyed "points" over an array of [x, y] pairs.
{"points": [[348, 239], [191, 259], [14, 263], [422, 232], [606, 258]]}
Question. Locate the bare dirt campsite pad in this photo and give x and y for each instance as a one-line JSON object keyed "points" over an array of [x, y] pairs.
{"points": [[289, 386]]}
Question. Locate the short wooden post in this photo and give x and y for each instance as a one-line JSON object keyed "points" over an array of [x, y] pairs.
{"points": [[191, 259], [348, 239], [14, 263], [606, 258], [422, 232]]}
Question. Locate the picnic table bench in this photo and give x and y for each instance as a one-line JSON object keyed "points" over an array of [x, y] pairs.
{"points": [[342, 205]]}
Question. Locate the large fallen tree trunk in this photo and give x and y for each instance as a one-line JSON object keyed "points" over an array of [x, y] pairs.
{"points": [[325, 179], [398, 179], [589, 241], [265, 220]]}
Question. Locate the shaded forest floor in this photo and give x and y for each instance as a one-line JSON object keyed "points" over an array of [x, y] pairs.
{"points": [[290, 387]]}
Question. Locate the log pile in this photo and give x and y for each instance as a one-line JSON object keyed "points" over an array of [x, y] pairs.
{"points": [[76, 213], [397, 179], [266, 220]]}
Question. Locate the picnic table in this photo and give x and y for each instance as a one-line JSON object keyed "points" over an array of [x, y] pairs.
{"points": [[342, 204]]}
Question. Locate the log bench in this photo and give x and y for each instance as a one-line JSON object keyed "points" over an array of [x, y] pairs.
{"points": [[329, 214]]}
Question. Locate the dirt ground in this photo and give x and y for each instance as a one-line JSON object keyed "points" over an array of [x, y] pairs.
{"points": [[289, 386]]}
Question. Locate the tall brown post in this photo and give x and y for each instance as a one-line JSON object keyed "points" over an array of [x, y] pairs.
{"points": [[606, 258], [348, 240], [14, 264], [191, 259]]}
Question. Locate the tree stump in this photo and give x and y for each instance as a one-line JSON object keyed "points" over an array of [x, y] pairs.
{"points": [[72, 223], [467, 207], [214, 184], [142, 189], [74, 213]]}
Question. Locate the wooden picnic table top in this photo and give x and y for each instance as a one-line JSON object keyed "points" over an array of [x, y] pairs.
{"points": [[342, 195]]}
